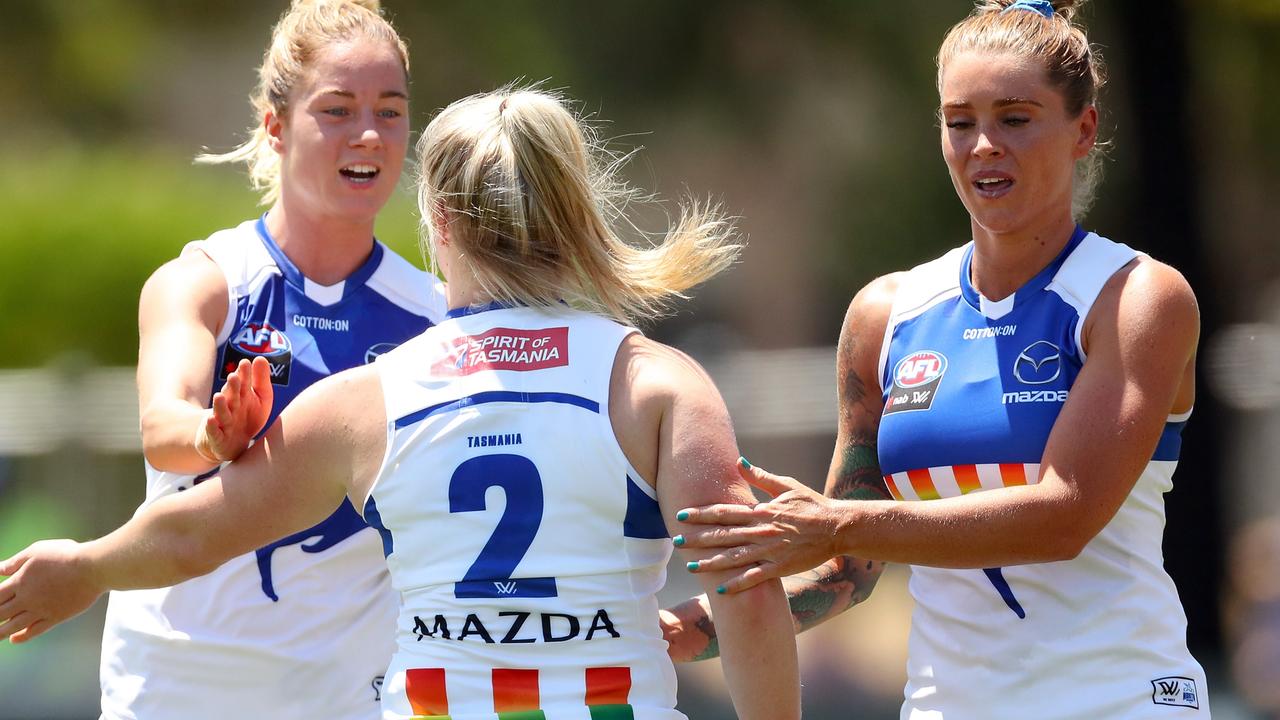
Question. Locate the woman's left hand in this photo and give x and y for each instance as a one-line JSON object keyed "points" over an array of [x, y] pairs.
{"points": [[795, 531], [48, 583]]}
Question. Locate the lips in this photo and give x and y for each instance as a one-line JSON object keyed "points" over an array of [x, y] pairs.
{"points": [[992, 184], [360, 173]]}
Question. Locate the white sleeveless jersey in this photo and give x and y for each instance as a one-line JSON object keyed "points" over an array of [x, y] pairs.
{"points": [[526, 549], [972, 388], [301, 628]]}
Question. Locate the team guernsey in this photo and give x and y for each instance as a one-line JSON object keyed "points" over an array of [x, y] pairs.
{"points": [[526, 549], [301, 628], [972, 388]]}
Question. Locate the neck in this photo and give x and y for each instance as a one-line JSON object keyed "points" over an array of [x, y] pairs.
{"points": [[324, 249], [1004, 262], [463, 291]]}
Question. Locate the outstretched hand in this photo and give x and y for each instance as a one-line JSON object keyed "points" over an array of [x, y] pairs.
{"points": [[47, 583], [238, 413], [793, 532]]}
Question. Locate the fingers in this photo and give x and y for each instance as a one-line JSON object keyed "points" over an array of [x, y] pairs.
{"points": [[10, 566], [261, 376], [735, 557], [748, 579], [32, 631], [720, 537], [775, 485], [221, 416], [15, 623], [718, 515]]}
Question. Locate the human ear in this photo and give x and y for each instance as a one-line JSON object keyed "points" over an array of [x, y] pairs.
{"points": [[274, 127], [1088, 126]]}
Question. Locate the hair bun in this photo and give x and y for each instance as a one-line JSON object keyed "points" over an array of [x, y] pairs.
{"points": [[1065, 9], [372, 5]]}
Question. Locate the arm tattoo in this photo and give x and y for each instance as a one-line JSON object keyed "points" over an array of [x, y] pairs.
{"points": [[840, 583], [708, 628], [829, 589], [859, 476]]}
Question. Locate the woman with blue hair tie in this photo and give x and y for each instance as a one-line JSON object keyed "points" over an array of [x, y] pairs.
{"points": [[1010, 419]]}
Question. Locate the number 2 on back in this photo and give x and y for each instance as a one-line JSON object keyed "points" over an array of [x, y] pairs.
{"points": [[490, 575]]}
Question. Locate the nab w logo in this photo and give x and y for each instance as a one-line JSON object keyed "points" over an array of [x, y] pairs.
{"points": [[505, 588], [1176, 691]]}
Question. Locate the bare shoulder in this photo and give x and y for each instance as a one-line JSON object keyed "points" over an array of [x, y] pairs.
{"points": [[657, 370], [870, 308], [1146, 296], [649, 380], [188, 285]]}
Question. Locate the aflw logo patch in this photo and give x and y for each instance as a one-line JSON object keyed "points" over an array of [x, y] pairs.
{"points": [[915, 381], [255, 339], [506, 349], [1176, 690]]}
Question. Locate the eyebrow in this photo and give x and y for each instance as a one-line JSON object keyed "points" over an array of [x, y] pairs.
{"points": [[1002, 102], [352, 96]]}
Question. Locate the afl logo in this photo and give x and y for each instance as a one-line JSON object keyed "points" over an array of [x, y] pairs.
{"points": [[255, 339], [918, 369], [1039, 363], [261, 339]]}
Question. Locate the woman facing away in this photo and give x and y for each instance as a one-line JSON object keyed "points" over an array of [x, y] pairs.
{"points": [[520, 459], [1021, 398], [298, 625]]}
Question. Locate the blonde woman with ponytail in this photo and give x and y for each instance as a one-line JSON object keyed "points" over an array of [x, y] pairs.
{"points": [[1010, 419], [298, 626], [521, 460]]}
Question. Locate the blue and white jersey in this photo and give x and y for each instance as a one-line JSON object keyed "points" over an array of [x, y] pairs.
{"points": [[526, 549], [972, 389], [301, 628]]}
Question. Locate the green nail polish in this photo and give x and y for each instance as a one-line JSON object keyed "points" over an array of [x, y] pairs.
{"points": [[678, 540], [745, 462], [720, 589], [692, 566], [682, 515]]}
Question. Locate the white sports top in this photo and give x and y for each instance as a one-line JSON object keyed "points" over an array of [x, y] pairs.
{"points": [[526, 549], [301, 628], [972, 389]]}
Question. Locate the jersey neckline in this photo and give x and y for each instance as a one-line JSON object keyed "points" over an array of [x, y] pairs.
{"points": [[294, 276], [466, 310], [997, 309]]}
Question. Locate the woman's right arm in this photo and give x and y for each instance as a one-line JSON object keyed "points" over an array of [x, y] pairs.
{"points": [[838, 584], [674, 427], [180, 313]]}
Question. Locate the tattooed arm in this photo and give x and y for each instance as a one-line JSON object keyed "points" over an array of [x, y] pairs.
{"points": [[838, 584]]}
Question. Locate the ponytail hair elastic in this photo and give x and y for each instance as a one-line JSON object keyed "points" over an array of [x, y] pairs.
{"points": [[1043, 8]]}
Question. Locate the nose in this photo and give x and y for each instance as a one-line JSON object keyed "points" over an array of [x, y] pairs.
{"points": [[987, 146], [365, 134]]}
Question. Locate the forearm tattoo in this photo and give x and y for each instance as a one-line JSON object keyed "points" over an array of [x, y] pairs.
{"points": [[840, 583], [827, 590]]}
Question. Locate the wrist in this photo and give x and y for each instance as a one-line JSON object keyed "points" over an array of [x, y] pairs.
{"points": [[201, 442], [850, 520], [87, 559]]}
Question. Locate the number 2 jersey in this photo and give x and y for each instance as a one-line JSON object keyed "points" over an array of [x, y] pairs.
{"points": [[526, 549], [301, 628], [972, 389]]}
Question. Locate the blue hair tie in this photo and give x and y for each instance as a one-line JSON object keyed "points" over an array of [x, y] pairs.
{"points": [[1043, 8]]}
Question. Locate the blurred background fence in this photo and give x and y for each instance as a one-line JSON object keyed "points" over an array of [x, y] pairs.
{"points": [[814, 122]]}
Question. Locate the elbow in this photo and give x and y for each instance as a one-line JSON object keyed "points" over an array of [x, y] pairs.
{"points": [[152, 449], [1067, 542], [193, 558]]}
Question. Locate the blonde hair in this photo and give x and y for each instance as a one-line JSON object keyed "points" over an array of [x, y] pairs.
{"points": [[1060, 45], [306, 28], [533, 207]]}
